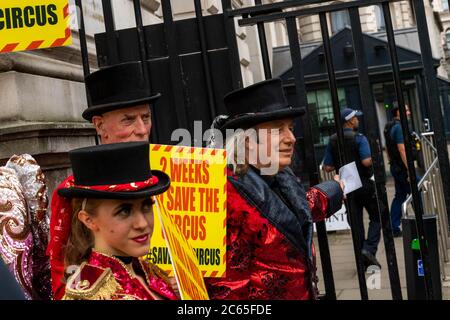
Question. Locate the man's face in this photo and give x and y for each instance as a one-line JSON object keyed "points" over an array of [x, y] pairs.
{"points": [[355, 123], [408, 112], [279, 140], [124, 125]]}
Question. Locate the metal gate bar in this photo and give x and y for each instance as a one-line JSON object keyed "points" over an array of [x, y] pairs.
{"points": [[418, 209], [142, 43], [275, 5], [357, 240], [110, 28], [432, 97], [231, 40], [175, 66], [310, 157], [338, 6], [84, 50], [205, 59], [372, 129], [82, 36], [263, 47]]}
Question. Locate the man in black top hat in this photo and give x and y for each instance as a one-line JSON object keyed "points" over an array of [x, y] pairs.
{"points": [[270, 217], [119, 107], [357, 149], [119, 103]]}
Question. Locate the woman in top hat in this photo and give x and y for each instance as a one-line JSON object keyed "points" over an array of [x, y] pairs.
{"points": [[112, 223], [270, 217], [119, 108]]}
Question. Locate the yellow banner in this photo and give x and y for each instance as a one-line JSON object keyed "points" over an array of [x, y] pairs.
{"points": [[187, 273], [196, 202], [34, 24]]}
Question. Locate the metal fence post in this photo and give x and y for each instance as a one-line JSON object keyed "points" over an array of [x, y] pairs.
{"points": [[231, 41], [263, 47], [432, 96], [418, 209], [142, 42], [372, 130], [343, 158], [205, 59], [310, 157], [176, 73], [110, 28]]}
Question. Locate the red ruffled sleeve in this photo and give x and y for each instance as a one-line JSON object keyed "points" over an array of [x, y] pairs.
{"points": [[60, 223]]}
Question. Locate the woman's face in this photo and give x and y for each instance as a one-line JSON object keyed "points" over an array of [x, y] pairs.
{"points": [[123, 227]]}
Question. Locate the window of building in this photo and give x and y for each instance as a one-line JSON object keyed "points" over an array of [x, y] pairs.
{"points": [[339, 20], [445, 5], [322, 117], [379, 17]]}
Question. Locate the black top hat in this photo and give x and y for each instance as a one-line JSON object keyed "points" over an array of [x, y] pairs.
{"points": [[260, 102], [116, 87], [114, 171]]}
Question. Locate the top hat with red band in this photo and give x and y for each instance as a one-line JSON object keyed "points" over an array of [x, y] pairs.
{"points": [[114, 171]]}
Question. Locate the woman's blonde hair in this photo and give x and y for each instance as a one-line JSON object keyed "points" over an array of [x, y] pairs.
{"points": [[81, 239]]}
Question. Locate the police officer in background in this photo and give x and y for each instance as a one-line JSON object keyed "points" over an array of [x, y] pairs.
{"points": [[357, 149], [395, 147]]}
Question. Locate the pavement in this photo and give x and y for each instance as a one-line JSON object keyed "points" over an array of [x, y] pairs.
{"points": [[344, 266]]}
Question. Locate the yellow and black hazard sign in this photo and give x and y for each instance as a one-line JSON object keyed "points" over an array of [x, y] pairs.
{"points": [[34, 24]]}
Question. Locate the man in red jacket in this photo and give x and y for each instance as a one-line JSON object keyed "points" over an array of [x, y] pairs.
{"points": [[270, 254], [119, 109]]}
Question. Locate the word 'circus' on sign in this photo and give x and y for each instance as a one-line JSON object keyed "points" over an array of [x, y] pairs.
{"points": [[36, 24], [205, 256], [28, 17]]}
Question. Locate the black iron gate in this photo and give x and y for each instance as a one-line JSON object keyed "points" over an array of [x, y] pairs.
{"points": [[194, 62], [290, 11]]}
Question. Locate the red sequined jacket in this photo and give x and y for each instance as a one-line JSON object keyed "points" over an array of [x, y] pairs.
{"points": [[105, 277], [270, 254]]}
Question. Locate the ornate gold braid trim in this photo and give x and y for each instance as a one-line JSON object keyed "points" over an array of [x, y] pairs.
{"points": [[103, 288]]}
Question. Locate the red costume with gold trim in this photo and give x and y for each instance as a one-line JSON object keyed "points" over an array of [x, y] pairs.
{"points": [[270, 254], [105, 277]]}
